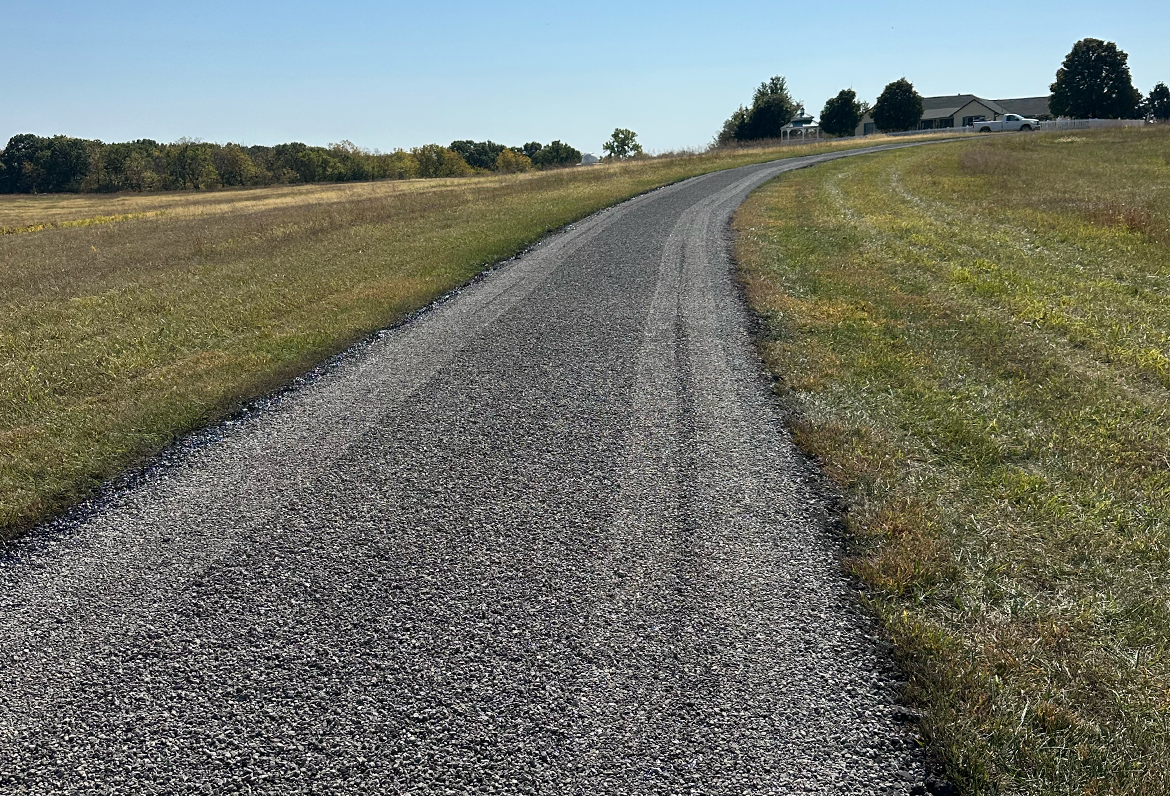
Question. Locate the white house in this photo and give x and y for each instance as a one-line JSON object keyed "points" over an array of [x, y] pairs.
{"points": [[963, 110], [588, 159]]}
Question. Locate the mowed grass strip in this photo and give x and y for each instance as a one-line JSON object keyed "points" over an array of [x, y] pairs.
{"points": [[127, 320], [973, 339]]}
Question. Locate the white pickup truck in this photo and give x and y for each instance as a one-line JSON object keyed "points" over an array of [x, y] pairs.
{"points": [[1008, 123]]}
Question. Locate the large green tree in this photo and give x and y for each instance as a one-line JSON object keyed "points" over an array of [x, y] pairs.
{"points": [[1158, 102], [898, 108], [1094, 83], [772, 108], [841, 113], [622, 144]]}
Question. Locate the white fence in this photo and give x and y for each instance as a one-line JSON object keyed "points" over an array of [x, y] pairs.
{"points": [[1055, 124], [1087, 124], [935, 131]]}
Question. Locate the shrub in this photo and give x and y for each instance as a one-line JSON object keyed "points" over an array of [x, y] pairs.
{"points": [[555, 155], [399, 165], [435, 160], [510, 162]]}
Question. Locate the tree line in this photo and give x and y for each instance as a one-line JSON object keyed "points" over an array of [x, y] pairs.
{"points": [[1093, 82], [36, 164]]}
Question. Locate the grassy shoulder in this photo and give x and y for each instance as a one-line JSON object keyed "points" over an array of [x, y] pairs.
{"points": [[973, 339], [126, 320]]}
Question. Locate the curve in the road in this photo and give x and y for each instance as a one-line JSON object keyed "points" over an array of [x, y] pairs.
{"points": [[550, 537]]}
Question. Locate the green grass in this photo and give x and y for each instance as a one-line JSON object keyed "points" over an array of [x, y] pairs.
{"points": [[973, 339], [127, 320]]}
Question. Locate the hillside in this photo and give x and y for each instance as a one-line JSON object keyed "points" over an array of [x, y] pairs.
{"points": [[973, 339]]}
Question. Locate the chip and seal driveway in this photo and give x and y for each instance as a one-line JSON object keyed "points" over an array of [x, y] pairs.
{"points": [[550, 536]]}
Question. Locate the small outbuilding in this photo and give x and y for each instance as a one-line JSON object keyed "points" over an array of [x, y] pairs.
{"points": [[588, 159], [802, 126]]}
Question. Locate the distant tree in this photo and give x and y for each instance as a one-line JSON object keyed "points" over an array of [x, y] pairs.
{"points": [[622, 144], [478, 154], [345, 161], [510, 162], [207, 177], [841, 113], [531, 148], [735, 128], [898, 108], [234, 166], [33, 164], [1158, 103], [108, 165], [189, 164], [297, 162], [1094, 83], [138, 172], [97, 177], [399, 165], [439, 161], [555, 155], [772, 108]]}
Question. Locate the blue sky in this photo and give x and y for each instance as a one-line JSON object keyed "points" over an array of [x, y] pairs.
{"points": [[391, 74]]}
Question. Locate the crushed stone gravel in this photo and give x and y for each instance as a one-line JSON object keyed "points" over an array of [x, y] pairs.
{"points": [[548, 537]]}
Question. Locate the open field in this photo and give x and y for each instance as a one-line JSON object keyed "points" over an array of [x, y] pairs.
{"points": [[126, 320], [974, 340]]}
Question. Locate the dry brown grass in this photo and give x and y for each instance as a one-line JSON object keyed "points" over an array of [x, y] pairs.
{"points": [[983, 365], [989, 160], [33, 212], [1108, 212], [126, 320]]}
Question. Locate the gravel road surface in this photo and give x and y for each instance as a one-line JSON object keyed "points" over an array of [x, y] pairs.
{"points": [[549, 537]]}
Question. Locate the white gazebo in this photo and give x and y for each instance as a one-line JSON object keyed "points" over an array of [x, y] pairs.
{"points": [[802, 125]]}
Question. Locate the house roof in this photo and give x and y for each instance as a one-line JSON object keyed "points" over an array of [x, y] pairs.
{"points": [[802, 121], [1028, 107], [949, 105], [941, 107]]}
